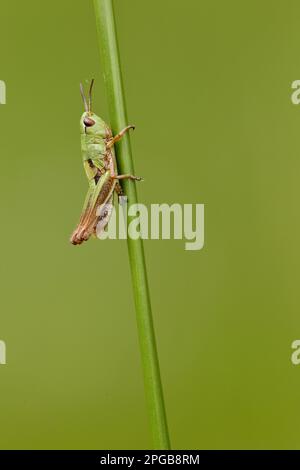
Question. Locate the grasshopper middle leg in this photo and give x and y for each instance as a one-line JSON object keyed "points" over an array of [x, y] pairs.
{"points": [[118, 187], [128, 177]]}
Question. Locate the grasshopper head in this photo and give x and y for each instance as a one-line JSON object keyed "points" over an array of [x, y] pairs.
{"points": [[90, 123]]}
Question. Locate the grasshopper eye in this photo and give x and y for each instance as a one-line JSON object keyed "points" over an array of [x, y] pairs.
{"points": [[88, 122]]}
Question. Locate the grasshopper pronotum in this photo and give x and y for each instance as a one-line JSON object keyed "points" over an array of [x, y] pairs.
{"points": [[97, 147]]}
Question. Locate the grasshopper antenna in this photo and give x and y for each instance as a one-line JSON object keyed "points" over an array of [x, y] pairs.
{"points": [[86, 107], [90, 95]]}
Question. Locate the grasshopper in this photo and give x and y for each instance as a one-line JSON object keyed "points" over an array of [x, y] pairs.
{"points": [[99, 161]]}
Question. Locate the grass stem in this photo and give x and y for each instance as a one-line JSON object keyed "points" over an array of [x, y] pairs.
{"points": [[109, 51]]}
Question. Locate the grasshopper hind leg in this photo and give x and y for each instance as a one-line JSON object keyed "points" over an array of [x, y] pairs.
{"points": [[104, 215], [120, 193]]}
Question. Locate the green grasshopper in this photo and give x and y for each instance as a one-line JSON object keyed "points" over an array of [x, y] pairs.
{"points": [[99, 161]]}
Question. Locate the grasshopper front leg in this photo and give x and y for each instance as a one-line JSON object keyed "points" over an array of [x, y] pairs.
{"points": [[119, 136], [109, 145]]}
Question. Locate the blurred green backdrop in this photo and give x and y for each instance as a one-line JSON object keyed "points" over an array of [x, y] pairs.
{"points": [[208, 88]]}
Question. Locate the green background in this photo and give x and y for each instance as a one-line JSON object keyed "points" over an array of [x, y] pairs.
{"points": [[208, 87]]}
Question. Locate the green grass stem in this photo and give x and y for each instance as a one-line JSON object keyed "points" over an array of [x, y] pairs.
{"points": [[109, 52]]}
